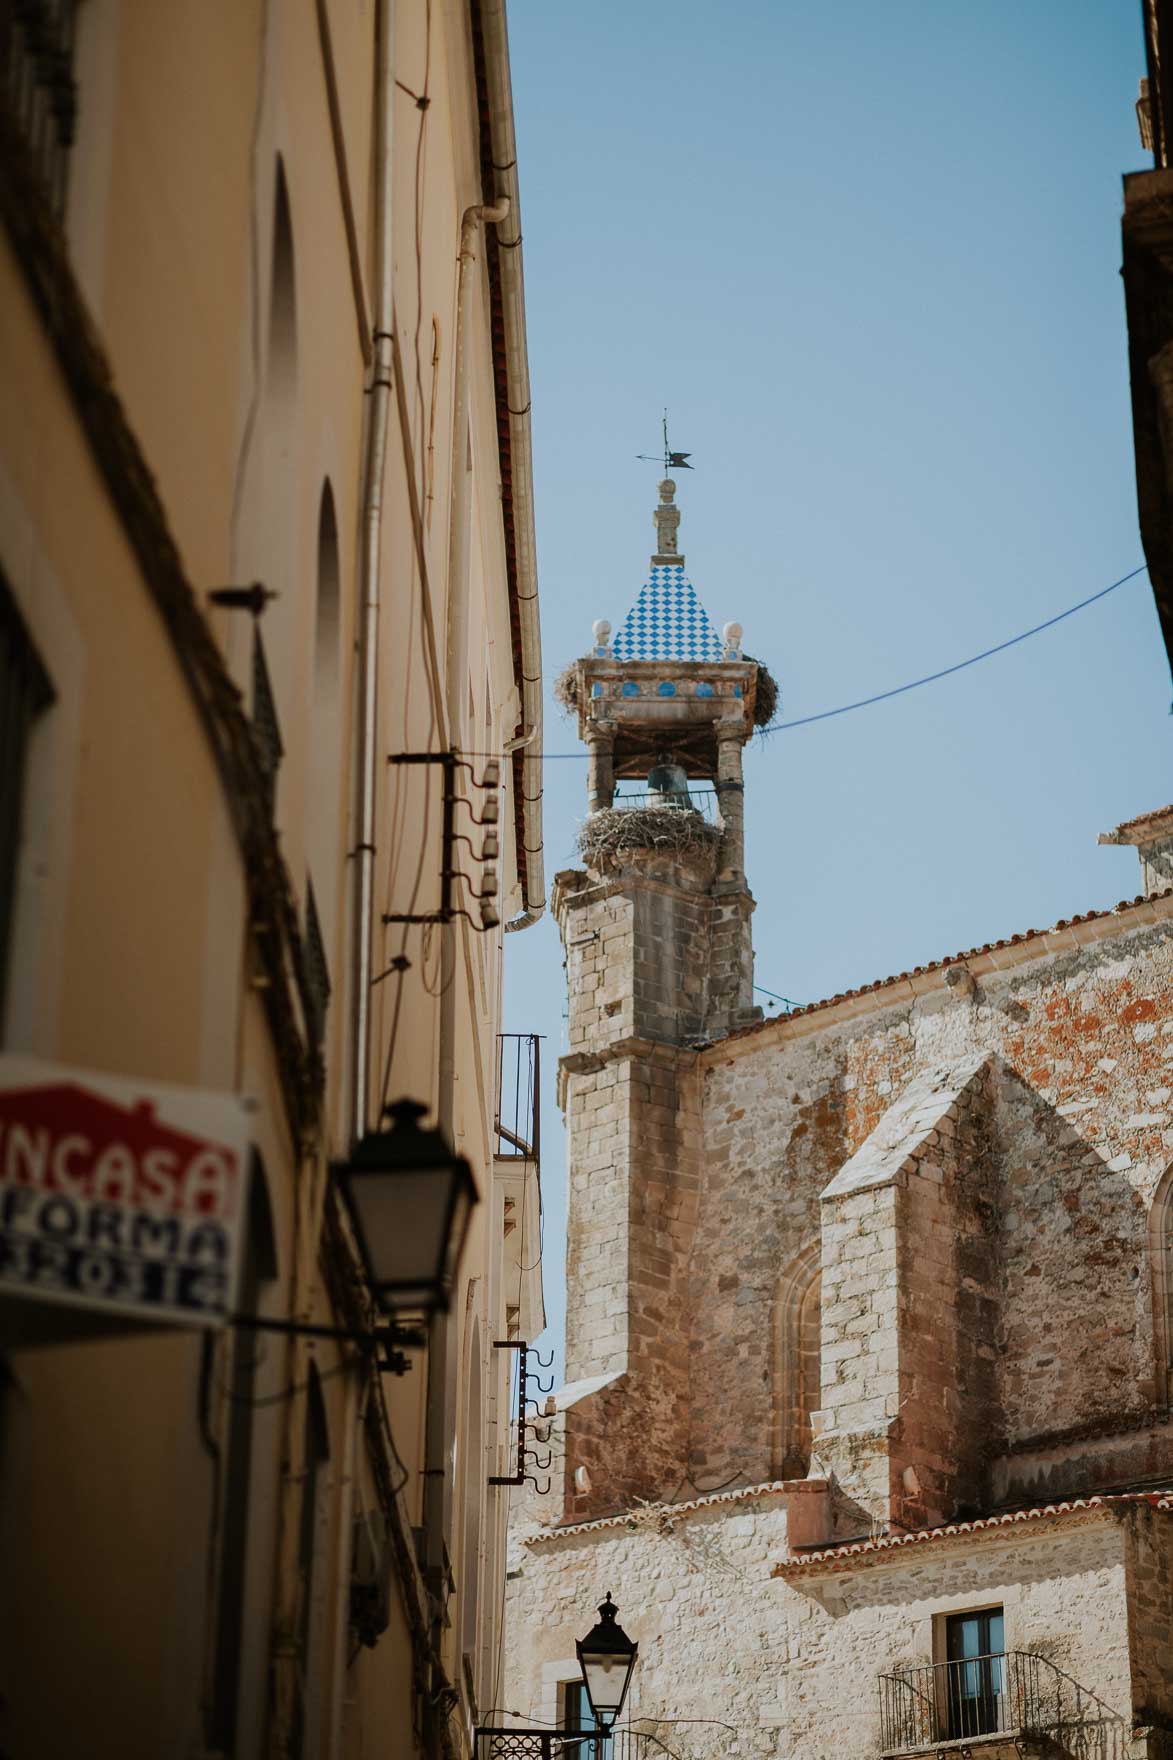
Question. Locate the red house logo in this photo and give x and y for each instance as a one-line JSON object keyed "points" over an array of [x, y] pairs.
{"points": [[104, 1204]]}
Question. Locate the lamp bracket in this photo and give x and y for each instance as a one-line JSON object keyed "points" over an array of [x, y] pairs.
{"points": [[386, 1343]]}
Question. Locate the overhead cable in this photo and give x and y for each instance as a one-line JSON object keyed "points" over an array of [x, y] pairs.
{"points": [[900, 689]]}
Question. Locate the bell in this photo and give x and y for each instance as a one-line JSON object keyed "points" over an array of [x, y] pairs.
{"points": [[668, 784]]}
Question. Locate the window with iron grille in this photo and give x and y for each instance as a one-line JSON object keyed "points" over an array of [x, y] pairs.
{"points": [[39, 90], [317, 970], [266, 728], [25, 693]]}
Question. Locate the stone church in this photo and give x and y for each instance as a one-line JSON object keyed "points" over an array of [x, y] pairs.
{"points": [[870, 1311]]}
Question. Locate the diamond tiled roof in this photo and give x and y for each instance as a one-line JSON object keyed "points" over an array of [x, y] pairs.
{"points": [[667, 621]]}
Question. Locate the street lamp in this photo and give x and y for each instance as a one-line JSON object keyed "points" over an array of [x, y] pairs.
{"points": [[606, 1656], [410, 1198]]}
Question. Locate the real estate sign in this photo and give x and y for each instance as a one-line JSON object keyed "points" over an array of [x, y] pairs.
{"points": [[122, 1196]]}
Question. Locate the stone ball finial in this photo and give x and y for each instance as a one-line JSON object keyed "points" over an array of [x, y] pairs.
{"points": [[667, 489], [732, 633], [601, 629]]}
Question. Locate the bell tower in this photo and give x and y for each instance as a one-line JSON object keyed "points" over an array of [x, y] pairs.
{"points": [[656, 932]]}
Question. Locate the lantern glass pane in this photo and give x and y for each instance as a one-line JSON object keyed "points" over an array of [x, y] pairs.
{"points": [[403, 1217], [606, 1679]]}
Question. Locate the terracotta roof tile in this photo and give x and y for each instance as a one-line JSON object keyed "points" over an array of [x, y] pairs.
{"points": [[842, 1556], [630, 1518], [1157, 813]]}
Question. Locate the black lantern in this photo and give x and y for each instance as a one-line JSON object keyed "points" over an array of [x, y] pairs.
{"points": [[606, 1656], [410, 1199]]}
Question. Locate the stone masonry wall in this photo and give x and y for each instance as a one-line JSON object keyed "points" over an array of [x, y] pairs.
{"points": [[1078, 1133], [788, 1668], [950, 1402], [1074, 1332], [1149, 1559], [909, 1307]]}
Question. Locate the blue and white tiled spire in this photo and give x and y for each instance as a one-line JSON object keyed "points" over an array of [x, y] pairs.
{"points": [[667, 621]]}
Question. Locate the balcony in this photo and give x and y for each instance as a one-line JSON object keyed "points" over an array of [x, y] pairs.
{"points": [[517, 1174], [998, 1701], [519, 1118]]}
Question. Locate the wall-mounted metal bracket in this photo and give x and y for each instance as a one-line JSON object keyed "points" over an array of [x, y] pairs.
{"points": [[525, 1454], [450, 762]]}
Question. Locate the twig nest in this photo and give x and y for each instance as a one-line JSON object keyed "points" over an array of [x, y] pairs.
{"points": [[766, 699], [673, 832]]}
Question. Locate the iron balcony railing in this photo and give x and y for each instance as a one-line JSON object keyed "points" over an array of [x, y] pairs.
{"points": [[566, 1744], [702, 800], [1004, 1694], [518, 1123]]}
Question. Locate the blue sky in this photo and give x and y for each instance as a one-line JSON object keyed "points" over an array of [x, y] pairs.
{"points": [[869, 258]]}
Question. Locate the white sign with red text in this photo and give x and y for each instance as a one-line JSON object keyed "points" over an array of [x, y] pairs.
{"points": [[122, 1196]]}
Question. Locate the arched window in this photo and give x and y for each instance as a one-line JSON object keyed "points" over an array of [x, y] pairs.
{"points": [[1161, 1260], [798, 1360]]}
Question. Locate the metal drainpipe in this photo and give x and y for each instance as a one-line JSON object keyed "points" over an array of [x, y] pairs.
{"points": [[375, 452], [438, 1488], [457, 644]]}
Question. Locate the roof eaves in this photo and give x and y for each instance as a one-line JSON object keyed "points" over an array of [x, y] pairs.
{"points": [[992, 956], [837, 1558], [633, 1518]]}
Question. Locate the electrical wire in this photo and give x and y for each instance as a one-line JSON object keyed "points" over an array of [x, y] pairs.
{"points": [[900, 689], [773, 995], [960, 666]]}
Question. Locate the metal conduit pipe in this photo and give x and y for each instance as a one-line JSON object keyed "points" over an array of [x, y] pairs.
{"points": [[374, 458], [456, 659]]}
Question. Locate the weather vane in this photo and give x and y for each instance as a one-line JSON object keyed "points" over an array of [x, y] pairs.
{"points": [[672, 461]]}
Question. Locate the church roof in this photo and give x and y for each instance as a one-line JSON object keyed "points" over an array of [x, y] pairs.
{"points": [[667, 621]]}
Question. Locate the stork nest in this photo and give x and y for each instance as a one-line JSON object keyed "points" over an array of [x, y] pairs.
{"points": [[675, 830], [565, 689], [565, 692], [765, 703]]}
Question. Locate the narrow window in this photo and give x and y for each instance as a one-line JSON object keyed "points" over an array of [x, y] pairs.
{"points": [[25, 693], [36, 67], [282, 296], [325, 804], [798, 1362], [975, 1670], [1161, 1261]]}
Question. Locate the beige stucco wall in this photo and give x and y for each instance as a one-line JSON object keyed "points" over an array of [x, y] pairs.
{"points": [[133, 951]]}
